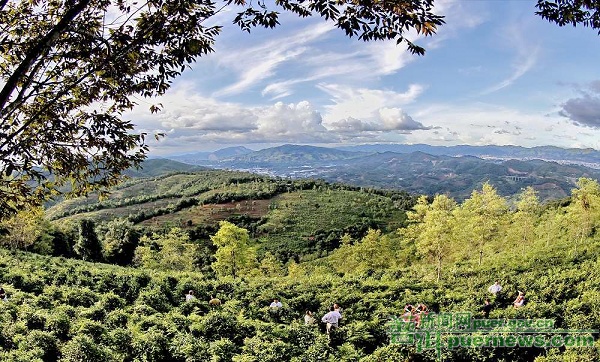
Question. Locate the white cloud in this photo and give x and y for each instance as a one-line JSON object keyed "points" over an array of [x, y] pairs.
{"points": [[192, 112], [356, 63], [257, 63], [484, 124], [387, 57], [526, 57], [280, 89], [387, 119], [263, 68], [294, 122], [193, 120], [315, 53], [363, 103]]}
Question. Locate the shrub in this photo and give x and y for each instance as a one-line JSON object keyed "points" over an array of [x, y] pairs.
{"points": [[83, 349], [222, 350], [185, 347], [59, 323], [81, 297], [216, 325], [318, 351], [116, 319], [28, 355], [110, 302], [43, 341], [120, 340], [151, 346], [155, 298], [266, 350], [95, 330]]}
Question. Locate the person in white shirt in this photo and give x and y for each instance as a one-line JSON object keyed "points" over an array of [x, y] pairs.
{"points": [[308, 318], [332, 319], [276, 304], [520, 301], [190, 296], [495, 288]]}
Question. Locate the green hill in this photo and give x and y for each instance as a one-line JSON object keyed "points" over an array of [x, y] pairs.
{"points": [[287, 216], [159, 166]]}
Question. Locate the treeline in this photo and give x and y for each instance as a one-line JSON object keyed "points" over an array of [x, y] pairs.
{"points": [[442, 232], [438, 229]]}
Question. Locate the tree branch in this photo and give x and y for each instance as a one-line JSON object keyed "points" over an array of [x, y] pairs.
{"points": [[42, 46]]}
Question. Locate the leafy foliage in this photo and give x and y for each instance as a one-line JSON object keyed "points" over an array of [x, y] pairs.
{"points": [[119, 242], [571, 12], [234, 254], [22, 230], [171, 251], [88, 245]]}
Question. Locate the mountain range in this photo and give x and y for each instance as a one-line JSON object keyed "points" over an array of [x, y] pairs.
{"points": [[421, 169]]}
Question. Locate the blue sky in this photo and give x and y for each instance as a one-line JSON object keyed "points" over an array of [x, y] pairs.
{"points": [[495, 73]]}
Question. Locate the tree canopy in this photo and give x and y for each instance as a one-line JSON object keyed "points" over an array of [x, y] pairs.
{"points": [[234, 253], [571, 12]]}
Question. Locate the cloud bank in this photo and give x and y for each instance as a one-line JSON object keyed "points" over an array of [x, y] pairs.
{"points": [[585, 109], [190, 119]]}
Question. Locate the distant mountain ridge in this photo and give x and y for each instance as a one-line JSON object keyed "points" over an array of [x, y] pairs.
{"points": [[295, 154], [160, 166], [584, 156], [201, 157], [425, 169], [420, 172]]}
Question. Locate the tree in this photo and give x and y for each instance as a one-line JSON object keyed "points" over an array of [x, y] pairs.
{"points": [[524, 219], [234, 253], [119, 241], [170, 251], [88, 245], [573, 12], [437, 231], [480, 217], [69, 69], [270, 266], [63, 240], [411, 233], [22, 230], [584, 210], [373, 253]]}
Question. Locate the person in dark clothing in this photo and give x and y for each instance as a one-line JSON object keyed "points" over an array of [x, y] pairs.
{"points": [[487, 307]]}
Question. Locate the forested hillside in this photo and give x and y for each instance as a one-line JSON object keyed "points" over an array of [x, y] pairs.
{"points": [[289, 218], [305, 245]]}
